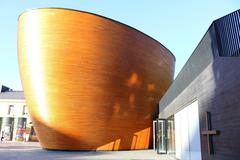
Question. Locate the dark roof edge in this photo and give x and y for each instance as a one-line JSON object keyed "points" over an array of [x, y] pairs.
{"points": [[194, 50], [211, 24], [28, 10], [238, 10]]}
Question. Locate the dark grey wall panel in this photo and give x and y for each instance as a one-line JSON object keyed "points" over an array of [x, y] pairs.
{"points": [[202, 56], [217, 91]]}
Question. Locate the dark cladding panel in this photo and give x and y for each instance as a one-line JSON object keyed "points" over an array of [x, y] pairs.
{"points": [[228, 32], [202, 56]]}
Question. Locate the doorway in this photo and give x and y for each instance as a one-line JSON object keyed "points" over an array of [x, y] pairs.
{"points": [[7, 128], [164, 137], [187, 133], [160, 136]]}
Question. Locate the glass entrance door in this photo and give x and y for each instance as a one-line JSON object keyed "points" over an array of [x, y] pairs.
{"points": [[161, 136], [170, 135]]}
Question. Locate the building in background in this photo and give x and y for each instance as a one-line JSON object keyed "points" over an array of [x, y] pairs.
{"points": [[200, 113], [15, 123]]}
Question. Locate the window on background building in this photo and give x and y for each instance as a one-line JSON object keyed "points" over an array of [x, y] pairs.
{"points": [[25, 112], [10, 109]]}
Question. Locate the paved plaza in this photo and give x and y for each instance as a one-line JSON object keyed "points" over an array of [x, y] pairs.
{"points": [[33, 151]]}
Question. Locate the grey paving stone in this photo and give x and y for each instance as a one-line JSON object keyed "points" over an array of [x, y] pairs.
{"points": [[33, 151]]}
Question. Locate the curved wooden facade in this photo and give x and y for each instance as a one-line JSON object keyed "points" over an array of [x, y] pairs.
{"points": [[90, 83]]}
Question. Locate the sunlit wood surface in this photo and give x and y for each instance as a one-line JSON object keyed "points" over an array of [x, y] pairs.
{"points": [[90, 83]]}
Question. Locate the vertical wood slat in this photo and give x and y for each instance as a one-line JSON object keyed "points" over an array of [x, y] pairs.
{"points": [[90, 83]]}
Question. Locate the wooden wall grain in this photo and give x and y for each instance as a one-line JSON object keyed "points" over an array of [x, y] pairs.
{"points": [[90, 83]]}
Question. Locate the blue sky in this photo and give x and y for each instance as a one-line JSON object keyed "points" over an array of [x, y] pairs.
{"points": [[179, 25]]}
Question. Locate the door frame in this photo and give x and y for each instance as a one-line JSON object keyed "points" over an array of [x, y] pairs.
{"points": [[161, 133]]}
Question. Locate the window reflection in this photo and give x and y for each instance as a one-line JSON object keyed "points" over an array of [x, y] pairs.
{"points": [[170, 135]]}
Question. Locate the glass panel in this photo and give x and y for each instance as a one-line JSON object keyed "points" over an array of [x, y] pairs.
{"points": [[21, 129], [7, 128], [170, 135], [0, 123], [10, 109], [155, 135], [161, 136]]}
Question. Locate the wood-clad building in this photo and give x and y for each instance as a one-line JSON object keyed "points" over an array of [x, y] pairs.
{"points": [[91, 83], [200, 113]]}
